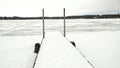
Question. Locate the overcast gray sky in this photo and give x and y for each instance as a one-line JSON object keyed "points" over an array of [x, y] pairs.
{"points": [[55, 7]]}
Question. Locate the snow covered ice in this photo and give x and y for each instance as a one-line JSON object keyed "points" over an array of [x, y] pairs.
{"points": [[18, 51], [97, 39], [102, 49]]}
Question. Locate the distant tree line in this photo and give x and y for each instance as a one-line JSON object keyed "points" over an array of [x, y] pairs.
{"points": [[67, 17]]}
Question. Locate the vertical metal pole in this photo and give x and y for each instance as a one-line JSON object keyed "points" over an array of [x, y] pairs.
{"points": [[43, 24], [64, 23]]}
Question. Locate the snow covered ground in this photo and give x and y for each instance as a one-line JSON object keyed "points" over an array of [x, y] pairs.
{"points": [[97, 39]]}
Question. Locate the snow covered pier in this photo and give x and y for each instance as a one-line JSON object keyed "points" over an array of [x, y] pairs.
{"points": [[57, 52]]}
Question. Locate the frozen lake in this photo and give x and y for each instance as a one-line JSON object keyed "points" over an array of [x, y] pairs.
{"points": [[97, 39], [34, 27]]}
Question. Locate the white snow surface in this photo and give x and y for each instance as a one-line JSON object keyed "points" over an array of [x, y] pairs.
{"points": [[34, 27], [102, 49], [57, 52], [18, 51], [97, 39]]}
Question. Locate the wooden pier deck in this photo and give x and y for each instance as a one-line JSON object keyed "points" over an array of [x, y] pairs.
{"points": [[57, 52]]}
